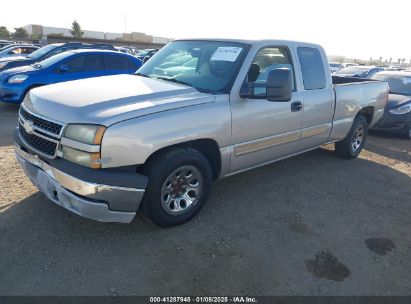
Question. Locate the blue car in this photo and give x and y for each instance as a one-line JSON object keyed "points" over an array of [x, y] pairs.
{"points": [[47, 52], [17, 50], [70, 65]]}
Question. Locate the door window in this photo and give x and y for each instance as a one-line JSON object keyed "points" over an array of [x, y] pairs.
{"points": [[76, 64], [266, 60], [93, 62], [115, 62]]}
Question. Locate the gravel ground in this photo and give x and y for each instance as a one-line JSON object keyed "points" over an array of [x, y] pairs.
{"points": [[310, 225]]}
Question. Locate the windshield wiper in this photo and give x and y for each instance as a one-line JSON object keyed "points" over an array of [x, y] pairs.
{"points": [[176, 81], [142, 75]]}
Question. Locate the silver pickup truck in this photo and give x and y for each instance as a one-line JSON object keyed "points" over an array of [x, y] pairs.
{"points": [[197, 111]]}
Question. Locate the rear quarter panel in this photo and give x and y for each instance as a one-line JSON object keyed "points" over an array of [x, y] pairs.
{"points": [[351, 98]]}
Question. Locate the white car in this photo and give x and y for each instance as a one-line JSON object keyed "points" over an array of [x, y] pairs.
{"points": [[335, 67]]}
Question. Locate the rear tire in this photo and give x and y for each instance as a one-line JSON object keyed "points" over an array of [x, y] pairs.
{"points": [[179, 184], [351, 146]]}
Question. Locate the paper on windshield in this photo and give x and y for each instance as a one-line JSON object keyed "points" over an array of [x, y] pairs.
{"points": [[226, 54]]}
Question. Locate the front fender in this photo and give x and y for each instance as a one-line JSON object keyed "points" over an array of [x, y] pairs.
{"points": [[132, 141]]}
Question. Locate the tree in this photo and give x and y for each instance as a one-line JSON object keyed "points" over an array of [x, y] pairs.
{"points": [[380, 58], [4, 32], [76, 30], [20, 32], [390, 59]]}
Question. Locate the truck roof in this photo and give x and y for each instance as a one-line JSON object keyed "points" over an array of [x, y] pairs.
{"points": [[253, 42]]}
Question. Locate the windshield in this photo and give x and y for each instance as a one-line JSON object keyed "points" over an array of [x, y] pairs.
{"points": [[41, 52], [354, 70], [335, 65], [208, 66], [398, 84]]}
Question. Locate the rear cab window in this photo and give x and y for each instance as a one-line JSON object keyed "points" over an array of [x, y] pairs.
{"points": [[312, 68]]}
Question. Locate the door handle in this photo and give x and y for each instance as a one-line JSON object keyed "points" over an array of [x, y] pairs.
{"points": [[296, 106]]}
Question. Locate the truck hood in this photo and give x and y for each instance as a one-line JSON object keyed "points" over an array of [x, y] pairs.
{"points": [[395, 100], [111, 99]]}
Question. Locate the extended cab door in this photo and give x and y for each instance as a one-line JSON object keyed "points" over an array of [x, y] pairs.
{"points": [[264, 130], [317, 96]]}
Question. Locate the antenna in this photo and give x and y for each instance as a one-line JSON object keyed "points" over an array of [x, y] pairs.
{"points": [[125, 22]]}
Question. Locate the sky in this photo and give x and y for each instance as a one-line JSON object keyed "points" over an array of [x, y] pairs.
{"points": [[351, 28]]}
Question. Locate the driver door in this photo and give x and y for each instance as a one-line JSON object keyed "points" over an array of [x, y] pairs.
{"points": [[262, 130]]}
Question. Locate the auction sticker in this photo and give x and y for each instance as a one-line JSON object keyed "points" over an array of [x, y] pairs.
{"points": [[226, 54]]}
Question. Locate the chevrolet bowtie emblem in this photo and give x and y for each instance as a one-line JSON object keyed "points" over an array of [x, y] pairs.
{"points": [[28, 127]]}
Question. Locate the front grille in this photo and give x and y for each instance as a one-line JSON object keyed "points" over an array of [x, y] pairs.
{"points": [[38, 143], [51, 127]]}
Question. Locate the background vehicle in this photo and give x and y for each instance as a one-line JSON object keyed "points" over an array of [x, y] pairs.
{"points": [[397, 68], [397, 115], [46, 52], [14, 45], [348, 64], [360, 71], [335, 67], [157, 140], [127, 49], [5, 42], [123, 50], [18, 50], [69, 65], [146, 54]]}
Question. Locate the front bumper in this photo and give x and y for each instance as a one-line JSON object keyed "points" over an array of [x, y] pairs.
{"points": [[11, 94], [86, 199], [394, 123]]}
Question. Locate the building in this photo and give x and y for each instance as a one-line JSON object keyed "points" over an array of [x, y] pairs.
{"points": [[135, 36], [39, 31]]}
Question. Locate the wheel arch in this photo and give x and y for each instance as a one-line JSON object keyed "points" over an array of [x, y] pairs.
{"points": [[207, 146], [33, 86], [368, 113]]}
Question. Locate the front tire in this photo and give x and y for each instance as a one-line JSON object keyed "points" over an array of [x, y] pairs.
{"points": [[179, 184], [351, 146]]}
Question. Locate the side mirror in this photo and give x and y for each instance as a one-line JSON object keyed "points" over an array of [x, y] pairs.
{"points": [[63, 68], [279, 85]]}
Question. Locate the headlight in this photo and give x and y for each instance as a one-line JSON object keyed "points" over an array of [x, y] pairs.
{"points": [[80, 157], [3, 64], [17, 79], [402, 109], [88, 134]]}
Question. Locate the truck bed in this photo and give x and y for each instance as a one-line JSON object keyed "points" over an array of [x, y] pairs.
{"points": [[352, 95], [344, 80]]}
